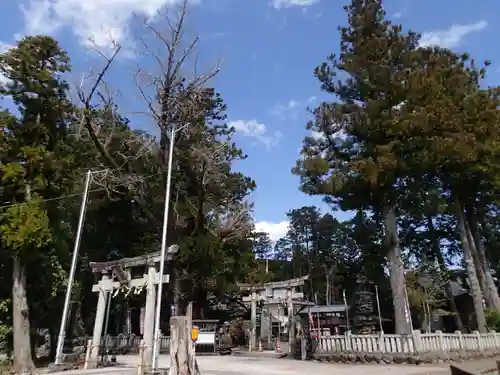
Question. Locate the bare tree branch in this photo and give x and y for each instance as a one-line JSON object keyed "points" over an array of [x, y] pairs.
{"points": [[234, 222], [119, 177], [170, 96]]}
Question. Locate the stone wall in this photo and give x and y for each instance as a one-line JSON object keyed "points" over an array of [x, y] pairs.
{"points": [[401, 358]]}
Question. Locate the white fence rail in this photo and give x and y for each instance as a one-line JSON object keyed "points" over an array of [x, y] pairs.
{"points": [[407, 344]]}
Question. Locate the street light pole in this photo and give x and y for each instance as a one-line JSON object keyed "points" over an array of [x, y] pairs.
{"points": [[74, 261], [156, 342]]}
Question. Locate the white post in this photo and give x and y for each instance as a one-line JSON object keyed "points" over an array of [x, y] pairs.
{"points": [[156, 344], [76, 250]]}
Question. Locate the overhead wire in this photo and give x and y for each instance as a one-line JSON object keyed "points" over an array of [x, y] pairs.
{"points": [[68, 196]]}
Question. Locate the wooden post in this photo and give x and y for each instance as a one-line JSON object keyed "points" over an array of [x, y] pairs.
{"points": [[182, 359], [174, 344], [303, 348]]}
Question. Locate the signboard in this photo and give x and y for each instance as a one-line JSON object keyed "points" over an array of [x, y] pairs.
{"points": [[194, 333], [206, 338]]}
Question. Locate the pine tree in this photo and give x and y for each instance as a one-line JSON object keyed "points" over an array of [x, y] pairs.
{"points": [[357, 162], [457, 126]]}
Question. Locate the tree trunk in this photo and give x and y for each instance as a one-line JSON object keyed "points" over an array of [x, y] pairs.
{"points": [[475, 287], [53, 343], [396, 268], [478, 249], [23, 361], [436, 249], [479, 270]]}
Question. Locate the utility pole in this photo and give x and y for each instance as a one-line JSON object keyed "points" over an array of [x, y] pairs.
{"points": [[74, 261], [156, 344]]}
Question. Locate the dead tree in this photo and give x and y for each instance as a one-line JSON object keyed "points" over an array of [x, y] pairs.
{"points": [[174, 93], [101, 121]]}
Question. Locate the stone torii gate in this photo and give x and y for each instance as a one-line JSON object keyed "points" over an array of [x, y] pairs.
{"points": [[274, 293], [116, 276]]}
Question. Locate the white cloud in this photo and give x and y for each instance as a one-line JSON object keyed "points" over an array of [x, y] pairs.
{"points": [[275, 230], [290, 109], [256, 130], [284, 109], [4, 47], [320, 136], [451, 37], [279, 4], [317, 135], [95, 19]]}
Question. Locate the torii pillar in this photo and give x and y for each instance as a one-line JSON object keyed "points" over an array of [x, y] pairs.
{"points": [[149, 316], [121, 272], [270, 294], [291, 321], [104, 290], [253, 319]]}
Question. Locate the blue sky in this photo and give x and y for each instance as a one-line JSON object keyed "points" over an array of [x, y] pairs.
{"points": [[268, 50]]}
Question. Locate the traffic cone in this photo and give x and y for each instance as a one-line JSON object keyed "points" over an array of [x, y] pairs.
{"points": [[278, 348]]}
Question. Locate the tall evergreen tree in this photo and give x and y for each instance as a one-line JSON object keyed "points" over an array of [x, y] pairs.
{"points": [[357, 162], [457, 127], [34, 164]]}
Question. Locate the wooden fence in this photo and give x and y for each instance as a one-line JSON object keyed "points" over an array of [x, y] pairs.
{"points": [[407, 344]]}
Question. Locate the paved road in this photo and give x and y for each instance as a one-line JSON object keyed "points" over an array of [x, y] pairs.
{"points": [[237, 365]]}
